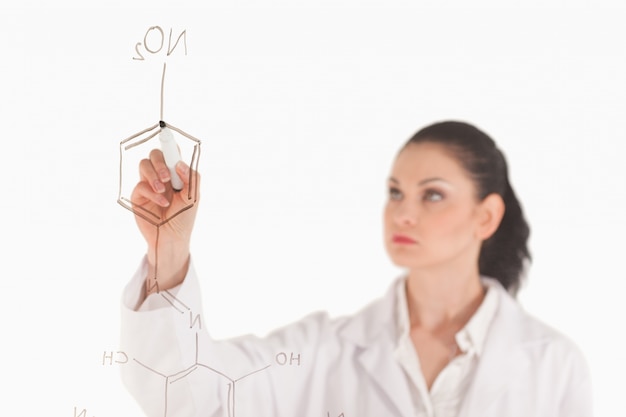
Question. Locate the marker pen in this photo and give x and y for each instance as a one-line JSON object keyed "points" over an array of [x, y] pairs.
{"points": [[171, 154]]}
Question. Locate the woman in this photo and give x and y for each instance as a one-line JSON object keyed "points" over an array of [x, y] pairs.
{"points": [[448, 338]]}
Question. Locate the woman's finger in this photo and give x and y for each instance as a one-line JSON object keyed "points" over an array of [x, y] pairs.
{"points": [[189, 177], [144, 193], [149, 175], [158, 163]]}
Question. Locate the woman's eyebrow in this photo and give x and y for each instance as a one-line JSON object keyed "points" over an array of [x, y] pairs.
{"points": [[422, 182], [427, 180]]}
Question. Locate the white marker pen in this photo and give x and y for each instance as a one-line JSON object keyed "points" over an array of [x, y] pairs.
{"points": [[171, 154]]}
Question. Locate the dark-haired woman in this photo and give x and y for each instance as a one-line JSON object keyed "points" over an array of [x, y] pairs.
{"points": [[448, 338]]}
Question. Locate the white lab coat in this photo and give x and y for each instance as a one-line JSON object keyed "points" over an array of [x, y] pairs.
{"points": [[322, 367]]}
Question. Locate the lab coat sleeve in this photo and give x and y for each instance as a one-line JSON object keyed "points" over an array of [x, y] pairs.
{"points": [[176, 369], [159, 350]]}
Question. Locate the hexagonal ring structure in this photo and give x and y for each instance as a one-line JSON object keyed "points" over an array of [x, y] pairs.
{"points": [[133, 150]]}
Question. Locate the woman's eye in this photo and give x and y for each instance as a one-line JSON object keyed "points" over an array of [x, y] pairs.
{"points": [[394, 194], [433, 195]]}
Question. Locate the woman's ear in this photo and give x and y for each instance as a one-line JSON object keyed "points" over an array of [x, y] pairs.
{"points": [[491, 212]]}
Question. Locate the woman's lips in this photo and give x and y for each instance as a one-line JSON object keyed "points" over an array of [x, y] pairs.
{"points": [[402, 239]]}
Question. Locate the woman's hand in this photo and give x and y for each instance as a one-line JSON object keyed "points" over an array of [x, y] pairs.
{"points": [[154, 201]]}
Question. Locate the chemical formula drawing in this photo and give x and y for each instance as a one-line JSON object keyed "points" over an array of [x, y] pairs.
{"points": [[174, 148], [175, 143], [226, 383]]}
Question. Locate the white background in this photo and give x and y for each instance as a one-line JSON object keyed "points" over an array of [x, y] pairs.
{"points": [[301, 108]]}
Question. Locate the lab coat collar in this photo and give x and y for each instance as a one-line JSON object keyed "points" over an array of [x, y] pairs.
{"points": [[373, 330], [503, 358], [366, 327], [379, 316]]}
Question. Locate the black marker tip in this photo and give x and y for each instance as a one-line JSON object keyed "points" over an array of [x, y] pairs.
{"points": [[162, 123]]}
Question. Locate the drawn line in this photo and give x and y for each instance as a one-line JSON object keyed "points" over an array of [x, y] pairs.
{"points": [[216, 371], [172, 304], [156, 258], [174, 297], [146, 218], [165, 403], [175, 214], [150, 369], [132, 145], [150, 288], [139, 134], [187, 135], [251, 373], [196, 347], [182, 376], [138, 207], [194, 172], [163, 83]]}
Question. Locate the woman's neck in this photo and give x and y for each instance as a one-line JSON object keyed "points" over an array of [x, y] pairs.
{"points": [[439, 299]]}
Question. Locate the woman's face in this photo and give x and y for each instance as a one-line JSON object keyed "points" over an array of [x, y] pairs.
{"points": [[432, 216]]}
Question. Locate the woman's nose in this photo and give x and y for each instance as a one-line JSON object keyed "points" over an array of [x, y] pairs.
{"points": [[405, 214]]}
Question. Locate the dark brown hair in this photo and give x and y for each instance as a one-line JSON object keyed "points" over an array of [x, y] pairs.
{"points": [[505, 254]]}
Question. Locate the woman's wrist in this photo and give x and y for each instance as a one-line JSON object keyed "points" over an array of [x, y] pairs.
{"points": [[167, 266]]}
